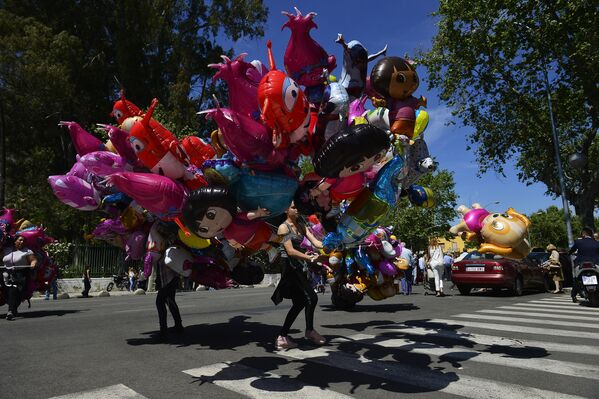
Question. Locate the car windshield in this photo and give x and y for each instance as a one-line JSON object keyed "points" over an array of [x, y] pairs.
{"points": [[477, 256], [538, 257]]}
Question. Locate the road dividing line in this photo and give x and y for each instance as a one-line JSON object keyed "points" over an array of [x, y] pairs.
{"points": [[259, 384], [433, 380], [534, 314], [119, 391], [492, 340], [528, 321]]}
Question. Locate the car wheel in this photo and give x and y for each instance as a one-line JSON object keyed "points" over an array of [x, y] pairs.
{"points": [[464, 290], [518, 288]]}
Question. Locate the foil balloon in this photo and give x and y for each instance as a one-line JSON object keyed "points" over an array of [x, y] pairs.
{"points": [[244, 232], [305, 60], [242, 80], [396, 79], [158, 194], [387, 268], [334, 107], [472, 219], [355, 63], [264, 190], [356, 109], [193, 241], [247, 273], [75, 192], [83, 141], [197, 150], [155, 247], [283, 104], [79, 170], [211, 275], [103, 163], [7, 216], [362, 259], [123, 109], [35, 238], [209, 210], [421, 123], [421, 196], [418, 163], [179, 260], [135, 245], [120, 140], [505, 234]]}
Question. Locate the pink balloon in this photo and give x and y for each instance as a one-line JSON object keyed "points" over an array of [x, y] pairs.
{"points": [[120, 140], [387, 268], [83, 141], [75, 192], [108, 228], [79, 170], [305, 60], [135, 245], [35, 238], [7, 216], [356, 109], [242, 79], [249, 140], [474, 218], [158, 194], [103, 163]]}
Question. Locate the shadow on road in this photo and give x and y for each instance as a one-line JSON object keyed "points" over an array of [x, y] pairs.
{"points": [[378, 308], [42, 313]]}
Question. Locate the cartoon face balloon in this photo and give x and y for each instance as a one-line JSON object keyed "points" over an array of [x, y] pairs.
{"points": [[506, 234], [209, 210], [394, 77], [283, 104]]}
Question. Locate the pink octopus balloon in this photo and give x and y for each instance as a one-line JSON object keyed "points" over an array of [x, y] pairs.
{"points": [[158, 194], [83, 141], [305, 60], [103, 163], [242, 79], [75, 192]]}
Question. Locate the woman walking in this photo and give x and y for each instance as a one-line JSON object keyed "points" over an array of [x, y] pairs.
{"points": [[294, 284], [555, 268], [435, 251], [18, 262]]}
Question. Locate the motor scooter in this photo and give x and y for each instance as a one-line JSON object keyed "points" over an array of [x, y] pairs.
{"points": [[587, 278], [121, 282]]}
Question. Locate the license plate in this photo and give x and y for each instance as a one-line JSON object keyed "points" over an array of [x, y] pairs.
{"points": [[475, 269], [589, 280]]}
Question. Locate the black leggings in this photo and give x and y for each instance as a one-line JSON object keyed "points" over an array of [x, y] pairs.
{"points": [[13, 298], [302, 297], [166, 296]]}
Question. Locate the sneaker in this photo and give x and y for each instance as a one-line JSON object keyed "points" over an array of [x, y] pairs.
{"points": [[284, 343], [315, 337], [9, 316]]}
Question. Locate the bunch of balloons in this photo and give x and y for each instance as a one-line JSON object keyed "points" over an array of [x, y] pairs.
{"points": [[504, 234], [194, 205], [35, 239]]}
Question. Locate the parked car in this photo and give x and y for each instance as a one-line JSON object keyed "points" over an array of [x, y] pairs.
{"points": [[478, 270], [540, 256]]}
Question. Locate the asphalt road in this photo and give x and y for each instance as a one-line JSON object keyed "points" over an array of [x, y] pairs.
{"points": [[481, 346]]}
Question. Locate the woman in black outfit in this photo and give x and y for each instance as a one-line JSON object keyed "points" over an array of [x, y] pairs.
{"points": [[294, 284]]}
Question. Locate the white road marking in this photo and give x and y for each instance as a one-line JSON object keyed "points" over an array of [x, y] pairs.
{"points": [[536, 314], [543, 308], [119, 391], [528, 321], [259, 384]]}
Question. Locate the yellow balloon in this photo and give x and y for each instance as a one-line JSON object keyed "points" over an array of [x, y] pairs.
{"points": [[193, 241], [421, 123], [430, 198]]}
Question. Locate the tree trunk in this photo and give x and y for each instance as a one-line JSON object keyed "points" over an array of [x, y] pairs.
{"points": [[584, 205]]}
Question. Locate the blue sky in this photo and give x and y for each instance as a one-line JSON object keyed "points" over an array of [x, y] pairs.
{"points": [[405, 26]]}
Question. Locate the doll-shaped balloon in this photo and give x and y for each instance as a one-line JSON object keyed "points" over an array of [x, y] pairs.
{"points": [[355, 63], [305, 60], [197, 150], [283, 105], [123, 109], [247, 231], [209, 211], [333, 109], [158, 194], [75, 192], [396, 80], [242, 80], [83, 141], [472, 221], [505, 234], [344, 159]]}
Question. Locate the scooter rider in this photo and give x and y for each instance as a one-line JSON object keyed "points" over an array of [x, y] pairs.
{"points": [[587, 250]]}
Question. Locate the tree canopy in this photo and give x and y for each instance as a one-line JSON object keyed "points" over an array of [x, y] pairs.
{"points": [[414, 224], [489, 61], [59, 61]]}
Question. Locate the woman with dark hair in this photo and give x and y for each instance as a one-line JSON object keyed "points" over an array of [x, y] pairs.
{"points": [[344, 159], [294, 283], [209, 210], [18, 260]]}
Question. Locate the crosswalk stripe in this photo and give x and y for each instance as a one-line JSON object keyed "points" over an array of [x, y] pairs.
{"points": [[518, 329], [551, 306], [118, 391], [467, 355], [529, 321], [433, 380], [259, 384], [542, 308], [564, 303], [568, 300], [536, 314], [490, 340]]}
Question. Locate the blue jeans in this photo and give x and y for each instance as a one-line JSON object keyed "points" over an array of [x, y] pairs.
{"points": [[406, 281], [54, 288], [131, 283]]}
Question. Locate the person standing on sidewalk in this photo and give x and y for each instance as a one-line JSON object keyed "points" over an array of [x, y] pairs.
{"points": [[555, 268], [435, 251], [53, 286], [87, 282]]}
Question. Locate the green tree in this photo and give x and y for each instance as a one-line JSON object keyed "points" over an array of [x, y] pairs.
{"points": [[414, 224], [489, 60], [547, 227], [58, 61]]}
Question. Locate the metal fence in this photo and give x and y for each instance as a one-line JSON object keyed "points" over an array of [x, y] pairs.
{"points": [[103, 261]]}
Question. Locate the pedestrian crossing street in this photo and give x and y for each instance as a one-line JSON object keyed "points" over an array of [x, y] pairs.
{"points": [[460, 347]]}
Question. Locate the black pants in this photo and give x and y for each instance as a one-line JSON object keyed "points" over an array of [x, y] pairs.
{"points": [[575, 288], [13, 299], [166, 296], [302, 297], [86, 287]]}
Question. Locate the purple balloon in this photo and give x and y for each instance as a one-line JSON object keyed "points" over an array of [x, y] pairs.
{"points": [[103, 163], [79, 170], [387, 268], [356, 109], [135, 245], [474, 218], [120, 140], [75, 192], [83, 141], [107, 228]]}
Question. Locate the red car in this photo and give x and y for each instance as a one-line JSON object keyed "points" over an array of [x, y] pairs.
{"points": [[478, 270]]}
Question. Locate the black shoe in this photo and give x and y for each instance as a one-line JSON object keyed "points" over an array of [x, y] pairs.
{"points": [[9, 316], [574, 300], [179, 329]]}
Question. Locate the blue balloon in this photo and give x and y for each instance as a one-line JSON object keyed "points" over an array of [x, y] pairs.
{"points": [[385, 186], [264, 190], [364, 261]]}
